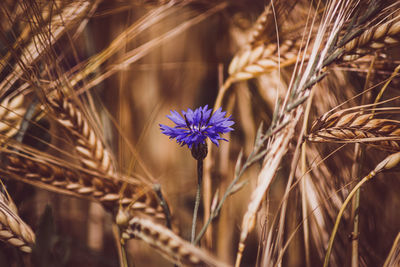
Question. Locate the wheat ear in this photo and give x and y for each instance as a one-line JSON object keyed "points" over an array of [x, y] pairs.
{"points": [[374, 38], [61, 179], [169, 244], [342, 127], [91, 151], [256, 60], [13, 230], [11, 115]]}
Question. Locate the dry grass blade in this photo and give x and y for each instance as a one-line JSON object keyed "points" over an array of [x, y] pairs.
{"points": [[357, 127], [13, 230], [91, 150], [61, 179], [393, 259], [168, 244]]}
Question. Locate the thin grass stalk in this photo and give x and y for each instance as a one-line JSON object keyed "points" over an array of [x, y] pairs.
{"points": [[392, 252], [383, 89], [388, 163], [340, 214], [355, 209], [209, 164], [304, 205], [356, 172]]}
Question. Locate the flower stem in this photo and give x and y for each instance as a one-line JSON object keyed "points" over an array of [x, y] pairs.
{"points": [[198, 197]]}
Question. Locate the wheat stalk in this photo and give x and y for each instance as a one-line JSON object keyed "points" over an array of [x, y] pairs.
{"points": [[169, 244], [343, 127], [13, 230], [111, 193]]}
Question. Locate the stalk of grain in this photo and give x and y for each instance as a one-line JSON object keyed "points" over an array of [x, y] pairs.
{"points": [[168, 244], [62, 179], [356, 127]]}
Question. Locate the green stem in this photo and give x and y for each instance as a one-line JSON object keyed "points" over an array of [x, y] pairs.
{"points": [[198, 197], [340, 214]]}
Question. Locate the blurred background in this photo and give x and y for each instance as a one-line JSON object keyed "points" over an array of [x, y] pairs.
{"points": [[141, 59]]}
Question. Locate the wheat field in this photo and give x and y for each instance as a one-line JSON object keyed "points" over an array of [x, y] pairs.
{"points": [[302, 98]]}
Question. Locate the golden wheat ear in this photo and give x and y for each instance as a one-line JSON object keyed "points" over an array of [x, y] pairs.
{"points": [[60, 178], [168, 244], [13, 230], [263, 53], [11, 115], [379, 37], [357, 127]]}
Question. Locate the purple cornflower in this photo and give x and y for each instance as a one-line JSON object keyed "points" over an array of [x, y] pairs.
{"points": [[195, 126]]}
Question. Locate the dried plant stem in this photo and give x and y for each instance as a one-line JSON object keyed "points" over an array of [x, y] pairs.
{"points": [[355, 209], [123, 262], [208, 163], [340, 214], [273, 158], [389, 162], [198, 198], [392, 76], [356, 172], [392, 251], [304, 205]]}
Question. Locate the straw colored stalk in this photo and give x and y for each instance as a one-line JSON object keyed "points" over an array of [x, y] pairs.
{"points": [[374, 38], [168, 244], [72, 181], [91, 150], [356, 127], [13, 230], [11, 115], [277, 150], [263, 58], [71, 15]]}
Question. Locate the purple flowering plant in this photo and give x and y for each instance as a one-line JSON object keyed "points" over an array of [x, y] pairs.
{"points": [[194, 127]]}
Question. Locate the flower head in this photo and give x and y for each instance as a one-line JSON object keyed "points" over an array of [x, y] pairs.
{"points": [[194, 127]]}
